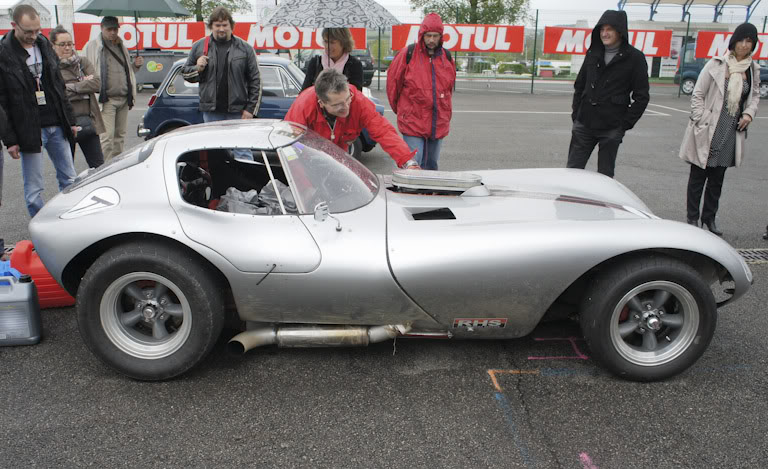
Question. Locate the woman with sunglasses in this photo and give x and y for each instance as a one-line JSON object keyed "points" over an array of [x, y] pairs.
{"points": [[82, 84]]}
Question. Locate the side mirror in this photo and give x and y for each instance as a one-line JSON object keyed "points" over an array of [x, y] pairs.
{"points": [[322, 212]]}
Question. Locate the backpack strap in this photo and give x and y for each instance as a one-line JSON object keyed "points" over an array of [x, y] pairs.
{"points": [[206, 44], [411, 47]]}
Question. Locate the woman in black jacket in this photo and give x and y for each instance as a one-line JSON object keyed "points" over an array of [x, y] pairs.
{"points": [[338, 45]]}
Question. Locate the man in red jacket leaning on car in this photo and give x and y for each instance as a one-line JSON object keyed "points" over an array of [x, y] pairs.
{"points": [[339, 112], [419, 87]]}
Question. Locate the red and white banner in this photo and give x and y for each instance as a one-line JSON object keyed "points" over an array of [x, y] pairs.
{"points": [[715, 43], [183, 35], [466, 37], [45, 32], [557, 40]]}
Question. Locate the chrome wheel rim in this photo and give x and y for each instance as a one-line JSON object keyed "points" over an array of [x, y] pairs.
{"points": [[763, 90], [654, 323], [145, 315], [688, 86]]}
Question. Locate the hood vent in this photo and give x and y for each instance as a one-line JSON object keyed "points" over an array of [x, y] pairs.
{"points": [[420, 180], [434, 214]]}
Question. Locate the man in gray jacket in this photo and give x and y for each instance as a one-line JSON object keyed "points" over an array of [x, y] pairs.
{"points": [[117, 95], [227, 70]]}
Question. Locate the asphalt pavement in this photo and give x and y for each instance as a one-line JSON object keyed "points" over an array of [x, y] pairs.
{"points": [[536, 402]]}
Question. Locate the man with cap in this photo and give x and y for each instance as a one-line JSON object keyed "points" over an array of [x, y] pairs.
{"points": [[117, 96], [420, 88], [610, 94]]}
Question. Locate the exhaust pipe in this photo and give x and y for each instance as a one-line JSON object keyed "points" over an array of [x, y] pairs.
{"points": [[314, 336]]}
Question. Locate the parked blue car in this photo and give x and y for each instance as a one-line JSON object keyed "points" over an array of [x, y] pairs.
{"points": [[176, 101]]}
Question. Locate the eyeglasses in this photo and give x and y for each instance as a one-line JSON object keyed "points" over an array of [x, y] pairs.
{"points": [[341, 105], [65, 44], [29, 32]]}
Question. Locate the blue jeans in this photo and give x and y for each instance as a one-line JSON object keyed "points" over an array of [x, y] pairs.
{"points": [[57, 145], [426, 159], [239, 153]]}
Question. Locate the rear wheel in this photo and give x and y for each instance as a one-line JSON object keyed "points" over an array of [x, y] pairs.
{"points": [[688, 85], [648, 319], [149, 311], [763, 90]]}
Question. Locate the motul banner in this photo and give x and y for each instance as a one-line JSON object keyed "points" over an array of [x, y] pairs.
{"points": [[183, 35], [466, 37], [557, 40], [715, 43], [45, 31]]}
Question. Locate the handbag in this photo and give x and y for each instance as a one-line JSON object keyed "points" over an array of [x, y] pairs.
{"points": [[86, 127], [85, 123]]}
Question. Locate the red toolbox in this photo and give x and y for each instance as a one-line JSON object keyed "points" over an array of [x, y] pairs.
{"points": [[51, 294]]}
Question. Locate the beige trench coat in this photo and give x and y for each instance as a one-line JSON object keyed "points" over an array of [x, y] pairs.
{"points": [[706, 104]]}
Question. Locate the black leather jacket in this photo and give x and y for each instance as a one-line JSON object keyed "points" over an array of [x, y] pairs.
{"points": [[242, 77]]}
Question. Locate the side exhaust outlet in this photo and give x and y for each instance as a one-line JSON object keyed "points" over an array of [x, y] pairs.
{"points": [[314, 336]]}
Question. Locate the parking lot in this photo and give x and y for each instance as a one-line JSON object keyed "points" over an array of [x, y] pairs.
{"points": [[536, 402]]}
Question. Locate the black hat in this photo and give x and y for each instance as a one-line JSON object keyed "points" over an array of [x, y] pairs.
{"points": [[744, 31], [111, 22]]}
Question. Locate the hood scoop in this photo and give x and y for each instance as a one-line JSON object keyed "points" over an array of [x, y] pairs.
{"points": [[425, 181]]}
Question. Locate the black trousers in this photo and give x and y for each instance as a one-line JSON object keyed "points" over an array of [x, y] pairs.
{"points": [[713, 177], [583, 141], [91, 147]]}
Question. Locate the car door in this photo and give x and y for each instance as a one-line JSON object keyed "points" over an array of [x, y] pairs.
{"points": [[276, 99]]}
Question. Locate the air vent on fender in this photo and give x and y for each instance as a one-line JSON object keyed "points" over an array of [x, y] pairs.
{"points": [[434, 214]]}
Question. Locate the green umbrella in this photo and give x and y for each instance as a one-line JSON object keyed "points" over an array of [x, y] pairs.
{"points": [[135, 8]]}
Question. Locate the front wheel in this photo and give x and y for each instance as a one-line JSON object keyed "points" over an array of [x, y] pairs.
{"points": [[648, 319], [149, 311]]}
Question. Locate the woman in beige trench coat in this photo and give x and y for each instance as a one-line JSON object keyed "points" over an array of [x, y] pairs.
{"points": [[723, 104]]}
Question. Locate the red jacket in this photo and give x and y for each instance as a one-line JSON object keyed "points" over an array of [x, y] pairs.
{"points": [[420, 92], [362, 114]]}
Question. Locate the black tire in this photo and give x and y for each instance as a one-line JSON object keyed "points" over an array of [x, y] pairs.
{"points": [[177, 315], [170, 128], [648, 318], [688, 85]]}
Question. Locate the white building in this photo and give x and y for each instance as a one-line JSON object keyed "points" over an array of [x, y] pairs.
{"points": [[6, 13]]}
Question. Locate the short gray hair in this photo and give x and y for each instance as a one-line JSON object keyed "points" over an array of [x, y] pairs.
{"points": [[330, 81]]}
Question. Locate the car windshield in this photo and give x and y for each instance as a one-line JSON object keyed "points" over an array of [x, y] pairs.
{"points": [[321, 172]]}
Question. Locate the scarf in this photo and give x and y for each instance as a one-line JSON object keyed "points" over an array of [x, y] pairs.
{"points": [[735, 82], [73, 60], [338, 65]]}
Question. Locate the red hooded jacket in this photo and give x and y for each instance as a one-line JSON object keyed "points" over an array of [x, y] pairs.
{"points": [[420, 92], [362, 115]]}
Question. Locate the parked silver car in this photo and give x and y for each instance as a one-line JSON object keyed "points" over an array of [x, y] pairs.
{"points": [[306, 247]]}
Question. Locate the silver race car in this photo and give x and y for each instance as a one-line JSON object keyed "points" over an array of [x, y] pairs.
{"points": [[271, 227]]}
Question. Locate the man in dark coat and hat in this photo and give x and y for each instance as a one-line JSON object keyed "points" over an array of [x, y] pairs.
{"points": [[611, 93]]}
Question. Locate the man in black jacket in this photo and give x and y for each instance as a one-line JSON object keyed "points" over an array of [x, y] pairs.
{"points": [[611, 93], [227, 70], [39, 115]]}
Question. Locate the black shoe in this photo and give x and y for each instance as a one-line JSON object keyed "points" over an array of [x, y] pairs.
{"points": [[710, 225], [693, 222]]}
